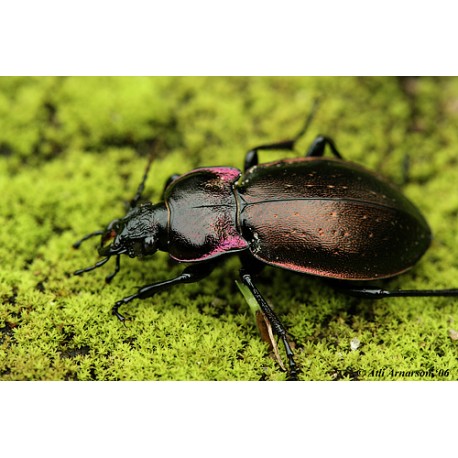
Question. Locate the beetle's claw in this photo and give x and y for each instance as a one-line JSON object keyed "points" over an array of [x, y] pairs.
{"points": [[115, 312], [292, 376]]}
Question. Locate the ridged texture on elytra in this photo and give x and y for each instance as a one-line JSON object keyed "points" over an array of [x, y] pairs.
{"points": [[330, 218]]}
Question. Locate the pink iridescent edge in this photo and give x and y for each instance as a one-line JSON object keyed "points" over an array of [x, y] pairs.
{"points": [[234, 242], [228, 174]]}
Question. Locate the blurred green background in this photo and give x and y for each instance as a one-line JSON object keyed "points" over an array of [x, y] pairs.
{"points": [[72, 153]]}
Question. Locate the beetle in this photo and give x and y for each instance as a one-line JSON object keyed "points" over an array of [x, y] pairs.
{"points": [[314, 215]]}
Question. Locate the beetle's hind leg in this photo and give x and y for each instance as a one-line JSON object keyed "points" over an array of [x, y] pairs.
{"points": [[370, 292], [274, 321]]}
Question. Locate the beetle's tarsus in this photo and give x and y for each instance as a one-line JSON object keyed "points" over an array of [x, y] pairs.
{"points": [[115, 312], [110, 277], [379, 293], [274, 321], [292, 375]]}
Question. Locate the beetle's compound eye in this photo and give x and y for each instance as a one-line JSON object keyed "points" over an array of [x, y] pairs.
{"points": [[107, 236], [110, 232]]}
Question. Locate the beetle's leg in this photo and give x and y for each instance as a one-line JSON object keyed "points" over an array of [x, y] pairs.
{"points": [[191, 274], [169, 180], [95, 266], [318, 146], [380, 293], [274, 321], [110, 277], [250, 263], [251, 158]]}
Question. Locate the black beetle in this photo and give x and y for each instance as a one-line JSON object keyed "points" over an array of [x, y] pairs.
{"points": [[318, 216]]}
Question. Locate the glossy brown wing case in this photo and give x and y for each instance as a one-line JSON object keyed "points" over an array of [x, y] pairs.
{"points": [[330, 218]]}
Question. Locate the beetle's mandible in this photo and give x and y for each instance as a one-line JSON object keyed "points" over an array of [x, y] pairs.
{"points": [[320, 216]]}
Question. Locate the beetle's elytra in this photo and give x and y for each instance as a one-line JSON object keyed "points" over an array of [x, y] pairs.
{"points": [[314, 215]]}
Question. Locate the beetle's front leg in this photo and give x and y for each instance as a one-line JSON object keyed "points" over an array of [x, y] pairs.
{"points": [[191, 274], [274, 321], [110, 277]]}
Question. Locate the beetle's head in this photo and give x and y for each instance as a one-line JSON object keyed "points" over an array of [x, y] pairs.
{"points": [[138, 234], [135, 235]]}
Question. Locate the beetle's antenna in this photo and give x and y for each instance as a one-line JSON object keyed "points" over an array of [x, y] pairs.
{"points": [[308, 121], [141, 187], [95, 266], [86, 237]]}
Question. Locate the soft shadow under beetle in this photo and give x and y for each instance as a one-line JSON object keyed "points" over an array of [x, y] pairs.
{"points": [[314, 215]]}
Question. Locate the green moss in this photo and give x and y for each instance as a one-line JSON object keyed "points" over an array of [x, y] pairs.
{"points": [[72, 151]]}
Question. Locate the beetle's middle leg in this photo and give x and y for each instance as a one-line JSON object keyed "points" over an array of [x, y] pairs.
{"points": [[316, 149], [251, 158], [318, 146], [274, 321], [191, 274]]}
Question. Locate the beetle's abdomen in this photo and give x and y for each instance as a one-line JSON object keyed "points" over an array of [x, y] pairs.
{"points": [[332, 219], [203, 214]]}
